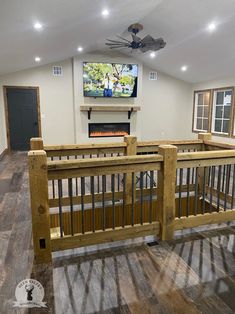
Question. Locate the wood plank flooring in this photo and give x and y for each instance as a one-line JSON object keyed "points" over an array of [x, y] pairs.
{"points": [[195, 273]]}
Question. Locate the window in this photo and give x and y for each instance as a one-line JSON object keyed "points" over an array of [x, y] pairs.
{"points": [[201, 111], [222, 108]]}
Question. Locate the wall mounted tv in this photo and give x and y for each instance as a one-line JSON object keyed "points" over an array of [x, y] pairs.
{"points": [[110, 80]]}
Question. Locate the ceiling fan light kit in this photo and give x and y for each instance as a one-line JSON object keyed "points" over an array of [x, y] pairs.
{"points": [[148, 43]]}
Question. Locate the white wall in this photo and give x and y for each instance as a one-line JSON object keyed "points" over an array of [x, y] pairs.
{"points": [[166, 104], [167, 108], [56, 101], [216, 84]]}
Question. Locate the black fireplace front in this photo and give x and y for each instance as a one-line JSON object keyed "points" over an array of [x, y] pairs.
{"points": [[109, 129]]}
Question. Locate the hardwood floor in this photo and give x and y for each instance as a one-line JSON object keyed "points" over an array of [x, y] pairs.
{"points": [[195, 273]]}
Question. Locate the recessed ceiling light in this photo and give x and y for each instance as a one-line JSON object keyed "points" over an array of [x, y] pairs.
{"points": [[37, 59], [80, 49], [211, 27], [38, 26], [152, 54], [184, 68], [105, 12]]}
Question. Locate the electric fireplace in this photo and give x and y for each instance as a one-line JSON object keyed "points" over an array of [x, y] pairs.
{"points": [[109, 129]]}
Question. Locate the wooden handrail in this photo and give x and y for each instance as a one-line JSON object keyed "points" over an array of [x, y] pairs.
{"points": [[101, 162], [206, 155], [219, 144], [102, 166]]}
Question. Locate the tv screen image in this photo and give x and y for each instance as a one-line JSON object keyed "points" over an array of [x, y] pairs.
{"points": [[110, 80]]}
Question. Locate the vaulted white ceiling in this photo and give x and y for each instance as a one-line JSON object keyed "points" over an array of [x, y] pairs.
{"points": [[70, 23]]}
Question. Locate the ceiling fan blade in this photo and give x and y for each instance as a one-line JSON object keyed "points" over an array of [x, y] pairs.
{"points": [[115, 41], [158, 44], [117, 45], [147, 40], [145, 49], [135, 38], [124, 39]]}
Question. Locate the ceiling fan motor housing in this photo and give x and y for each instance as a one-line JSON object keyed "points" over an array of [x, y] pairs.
{"points": [[135, 28]]}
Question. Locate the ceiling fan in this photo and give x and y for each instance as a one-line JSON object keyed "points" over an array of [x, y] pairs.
{"points": [[145, 44]]}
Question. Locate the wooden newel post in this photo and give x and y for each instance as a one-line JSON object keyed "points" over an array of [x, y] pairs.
{"points": [[204, 137], [131, 149], [166, 190], [38, 183], [36, 143]]}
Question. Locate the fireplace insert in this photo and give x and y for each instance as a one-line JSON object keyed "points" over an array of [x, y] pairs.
{"points": [[109, 129]]}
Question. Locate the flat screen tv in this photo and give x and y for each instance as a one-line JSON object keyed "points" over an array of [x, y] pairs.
{"points": [[110, 80]]}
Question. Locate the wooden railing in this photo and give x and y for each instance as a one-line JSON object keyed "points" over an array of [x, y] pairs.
{"points": [[147, 188]]}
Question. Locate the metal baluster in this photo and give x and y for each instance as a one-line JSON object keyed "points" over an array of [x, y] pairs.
{"points": [[53, 183], [209, 176], [146, 179], [204, 190], [82, 202], [103, 202], [223, 181], [211, 187], [188, 185], [124, 201], [118, 177], [133, 198], [93, 202], [60, 192], [113, 199], [151, 197], [218, 188], [98, 179], [141, 197], [180, 198], [233, 187], [196, 192], [228, 169], [70, 186], [76, 157], [193, 170]]}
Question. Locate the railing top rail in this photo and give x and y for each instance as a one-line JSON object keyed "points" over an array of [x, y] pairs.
{"points": [[109, 146], [83, 146], [102, 162], [219, 144], [165, 142], [206, 155]]}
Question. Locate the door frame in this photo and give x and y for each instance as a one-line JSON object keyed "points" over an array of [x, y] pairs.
{"points": [[5, 87]]}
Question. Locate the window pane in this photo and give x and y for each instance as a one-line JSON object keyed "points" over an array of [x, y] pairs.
{"points": [[205, 124], [200, 111], [218, 125], [220, 98], [218, 111], [200, 100], [227, 112], [206, 111], [199, 124], [207, 98], [225, 126]]}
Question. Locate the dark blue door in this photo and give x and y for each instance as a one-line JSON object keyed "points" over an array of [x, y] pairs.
{"points": [[22, 116]]}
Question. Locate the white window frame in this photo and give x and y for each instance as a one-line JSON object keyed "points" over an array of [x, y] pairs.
{"points": [[195, 112], [213, 117]]}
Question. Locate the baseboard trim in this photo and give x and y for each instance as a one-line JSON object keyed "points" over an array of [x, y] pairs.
{"points": [[3, 154]]}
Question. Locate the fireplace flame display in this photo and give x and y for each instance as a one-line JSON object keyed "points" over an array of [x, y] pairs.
{"points": [[109, 129]]}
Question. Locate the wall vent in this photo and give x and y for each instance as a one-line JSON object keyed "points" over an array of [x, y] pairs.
{"points": [[153, 76], [57, 70]]}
